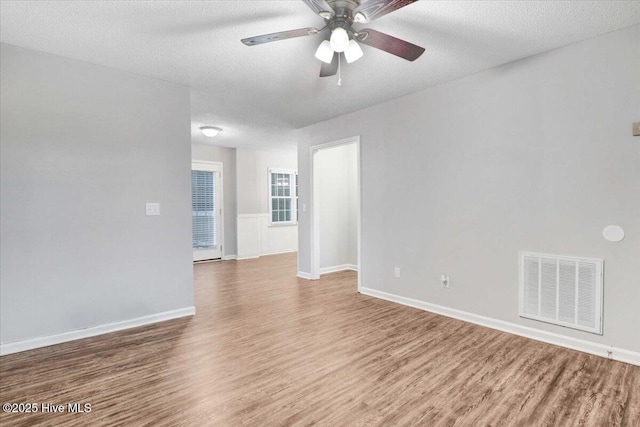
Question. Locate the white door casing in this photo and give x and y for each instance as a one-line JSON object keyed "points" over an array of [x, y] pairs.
{"points": [[314, 274], [207, 212]]}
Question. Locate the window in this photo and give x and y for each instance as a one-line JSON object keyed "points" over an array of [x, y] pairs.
{"points": [[283, 196]]}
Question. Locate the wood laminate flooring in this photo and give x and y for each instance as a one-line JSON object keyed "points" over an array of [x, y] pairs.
{"points": [[266, 348]]}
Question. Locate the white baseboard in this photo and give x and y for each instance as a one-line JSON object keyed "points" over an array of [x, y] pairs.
{"points": [[229, 257], [303, 275], [336, 268], [288, 251], [597, 349], [241, 257], [15, 347]]}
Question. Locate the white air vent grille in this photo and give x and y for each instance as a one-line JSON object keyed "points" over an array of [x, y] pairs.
{"points": [[563, 290]]}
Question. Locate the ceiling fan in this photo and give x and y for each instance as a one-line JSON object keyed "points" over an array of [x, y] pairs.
{"points": [[342, 39]]}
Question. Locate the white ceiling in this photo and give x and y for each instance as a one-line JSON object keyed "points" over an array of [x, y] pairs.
{"points": [[259, 94]]}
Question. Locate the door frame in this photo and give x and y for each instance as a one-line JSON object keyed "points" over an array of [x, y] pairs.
{"points": [[219, 166], [315, 207]]}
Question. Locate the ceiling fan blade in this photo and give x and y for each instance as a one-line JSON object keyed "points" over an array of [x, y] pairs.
{"points": [[374, 9], [320, 7], [328, 70], [283, 35], [390, 44]]}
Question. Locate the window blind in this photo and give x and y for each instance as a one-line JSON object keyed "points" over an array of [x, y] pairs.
{"points": [[203, 196]]}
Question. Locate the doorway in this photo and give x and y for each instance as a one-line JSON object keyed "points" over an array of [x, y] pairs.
{"points": [[335, 212], [206, 206]]}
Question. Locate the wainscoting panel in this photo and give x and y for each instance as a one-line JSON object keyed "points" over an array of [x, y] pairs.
{"points": [[249, 236], [257, 237]]}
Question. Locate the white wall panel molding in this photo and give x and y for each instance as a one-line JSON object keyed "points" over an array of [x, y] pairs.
{"points": [[256, 237], [249, 236]]}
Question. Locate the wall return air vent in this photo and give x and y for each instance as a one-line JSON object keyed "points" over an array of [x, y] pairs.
{"points": [[563, 290]]}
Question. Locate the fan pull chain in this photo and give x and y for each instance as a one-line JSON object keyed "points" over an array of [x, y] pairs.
{"points": [[339, 69]]}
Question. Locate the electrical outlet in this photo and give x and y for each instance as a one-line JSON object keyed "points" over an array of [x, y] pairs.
{"points": [[396, 272], [152, 209]]}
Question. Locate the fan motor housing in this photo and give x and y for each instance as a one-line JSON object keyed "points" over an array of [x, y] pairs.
{"points": [[343, 15], [343, 9]]}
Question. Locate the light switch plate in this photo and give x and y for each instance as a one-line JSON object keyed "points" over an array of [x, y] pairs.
{"points": [[636, 129], [153, 209]]}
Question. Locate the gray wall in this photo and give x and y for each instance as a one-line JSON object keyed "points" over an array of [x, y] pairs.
{"points": [[226, 156], [533, 155], [336, 175], [252, 179], [83, 148]]}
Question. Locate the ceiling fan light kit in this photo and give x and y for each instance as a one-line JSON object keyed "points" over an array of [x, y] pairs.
{"points": [[339, 39], [359, 17], [325, 52], [353, 52], [340, 15]]}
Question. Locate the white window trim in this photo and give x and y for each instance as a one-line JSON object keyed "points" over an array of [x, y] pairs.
{"points": [[294, 201]]}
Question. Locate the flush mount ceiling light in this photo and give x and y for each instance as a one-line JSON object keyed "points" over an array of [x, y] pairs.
{"points": [[210, 131]]}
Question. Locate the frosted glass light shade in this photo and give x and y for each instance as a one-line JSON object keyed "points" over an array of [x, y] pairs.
{"points": [[324, 52], [210, 131], [339, 39], [359, 17], [353, 52]]}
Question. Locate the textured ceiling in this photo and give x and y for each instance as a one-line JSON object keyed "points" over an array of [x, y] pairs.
{"points": [[259, 94]]}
